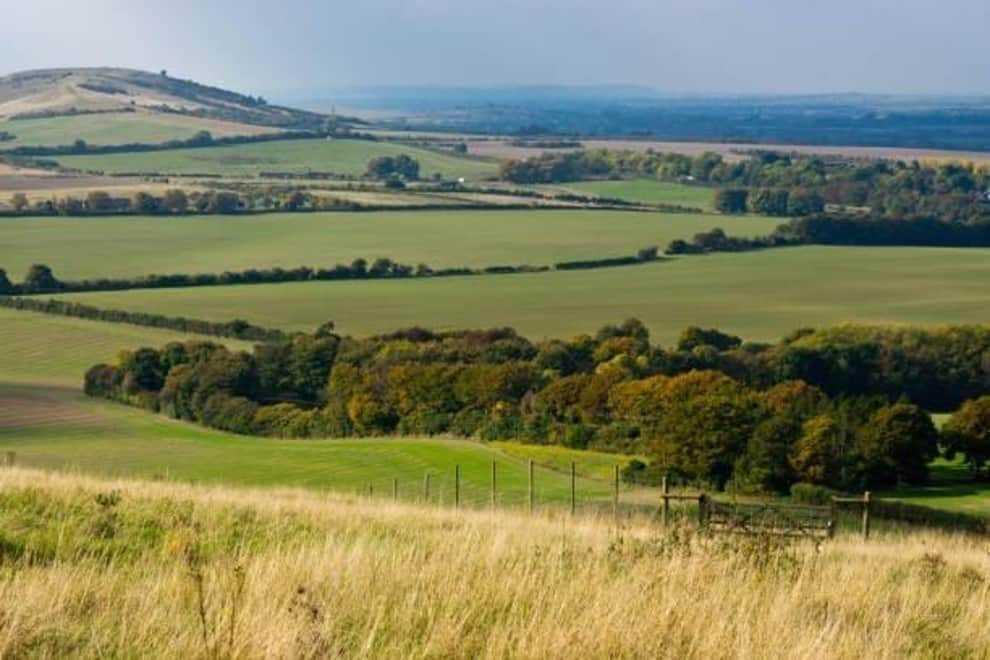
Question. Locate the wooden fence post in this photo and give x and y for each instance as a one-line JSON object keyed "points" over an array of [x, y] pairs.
{"points": [[395, 489], [426, 488], [493, 485], [665, 510], [457, 486], [702, 509], [866, 516], [531, 485], [615, 494], [371, 489], [11, 459], [573, 488], [831, 517]]}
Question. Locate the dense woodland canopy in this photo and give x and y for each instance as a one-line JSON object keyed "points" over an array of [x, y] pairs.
{"points": [[843, 407]]}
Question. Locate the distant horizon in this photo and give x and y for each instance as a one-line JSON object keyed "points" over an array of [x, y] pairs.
{"points": [[316, 94], [707, 47]]}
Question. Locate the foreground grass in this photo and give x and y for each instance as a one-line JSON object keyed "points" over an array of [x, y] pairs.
{"points": [[757, 295], [119, 128], [346, 157], [128, 569], [124, 247]]}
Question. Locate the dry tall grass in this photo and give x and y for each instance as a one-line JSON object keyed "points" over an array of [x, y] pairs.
{"points": [[99, 568]]}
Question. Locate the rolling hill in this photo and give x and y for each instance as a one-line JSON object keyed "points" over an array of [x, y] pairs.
{"points": [[64, 92]]}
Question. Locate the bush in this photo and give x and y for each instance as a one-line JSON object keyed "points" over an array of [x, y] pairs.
{"points": [[811, 493]]}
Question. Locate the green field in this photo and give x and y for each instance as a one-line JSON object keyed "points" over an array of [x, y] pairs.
{"points": [[120, 247], [650, 192], [758, 295], [47, 421], [952, 487], [588, 463], [39, 349], [344, 157], [118, 128], [56, 429]]}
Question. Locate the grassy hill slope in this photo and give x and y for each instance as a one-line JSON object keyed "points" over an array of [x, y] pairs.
{"points": [[47, 421], [118, 128], [60, 91]]}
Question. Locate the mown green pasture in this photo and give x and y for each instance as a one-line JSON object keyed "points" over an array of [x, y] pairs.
{"points": [[69, 433], [118, 128], [344, 157], [47, 421], [127, 246], [39, 349], [760, 296], [649, 192], [952, 487], [587, 463]]}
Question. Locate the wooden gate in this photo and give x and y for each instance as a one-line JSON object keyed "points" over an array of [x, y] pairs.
{"points": [[767, 518], [798, 520]]}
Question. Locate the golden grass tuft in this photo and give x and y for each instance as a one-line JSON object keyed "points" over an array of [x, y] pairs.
{"points": [[120, 568]]}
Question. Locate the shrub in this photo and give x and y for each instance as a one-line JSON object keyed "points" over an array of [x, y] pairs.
{"points": [[811, 493]]}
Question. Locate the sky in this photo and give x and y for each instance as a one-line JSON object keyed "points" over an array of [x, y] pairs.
{"points": [[305, 48]]}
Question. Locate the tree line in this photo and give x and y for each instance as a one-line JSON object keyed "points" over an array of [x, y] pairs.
{"points": [[236, 329], [234, 199], [785, 184], [841, 408], [840, 229], [40, 278], [72, 111], [178, 202], [197, 140]]}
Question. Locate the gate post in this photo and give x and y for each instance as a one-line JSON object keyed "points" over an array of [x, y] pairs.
{"points": [[573, 488], [457, 486], [665, 510], [866, 516], [493, 485], [530, 485], [615, 495], [831, 517]]}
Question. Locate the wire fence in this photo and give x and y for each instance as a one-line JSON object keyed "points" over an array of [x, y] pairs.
{"points": [[504, 486]]}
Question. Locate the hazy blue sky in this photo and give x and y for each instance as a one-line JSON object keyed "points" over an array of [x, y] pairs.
{"points": [[282, 47]]}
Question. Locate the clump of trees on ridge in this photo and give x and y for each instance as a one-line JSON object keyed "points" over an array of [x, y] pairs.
{"points": [[386, 167]]}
